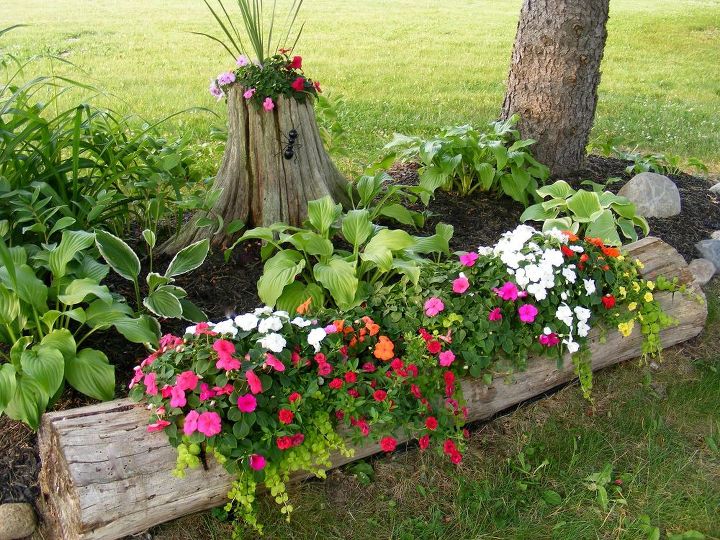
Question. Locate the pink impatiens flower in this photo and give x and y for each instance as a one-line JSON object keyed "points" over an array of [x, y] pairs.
{"points": [[203, 328], [209, 424], [446, 358], [187, 380], [249, 93], [228, 363], [206, 392], [256, 462], [495, 314], [527, 313], [247, 403], [190, 424], [268, 104], [150, 384], [549, 340], [508, 291], [158, 426], [468, 259], [223, 390], [225, 350], [460, 284], [254, 382], [433, 306], [177, 397], [274, 362]]}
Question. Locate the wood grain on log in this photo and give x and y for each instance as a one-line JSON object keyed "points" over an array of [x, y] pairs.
{"points": [[103, 476]]}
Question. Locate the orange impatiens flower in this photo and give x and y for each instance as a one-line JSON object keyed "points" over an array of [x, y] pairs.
{"points": [[384, 349], [595, 241], [303, 308], [370, 325], [611, 251], [571, 236], [339, 325]]}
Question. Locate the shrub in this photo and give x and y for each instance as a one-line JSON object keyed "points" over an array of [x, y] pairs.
{"points": [[465, 159]]}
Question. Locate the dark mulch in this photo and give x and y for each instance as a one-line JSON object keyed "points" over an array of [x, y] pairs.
{"points": [[221, 288]]}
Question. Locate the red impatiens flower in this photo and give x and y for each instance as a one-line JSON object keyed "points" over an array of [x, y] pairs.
{"points": [[567, 251], [455, 457], [298, 84], [415, 390], [336, 384], [353, 393], [425, 334], [424, 442], [350, 377], [368, 367], [433, 346], [608, 301], [325, 369], [431, 423], [412, 369], [283, 443], [379, 395], [286, 416], [294, 397], [317, 87], [388, 444], [296, 62]]}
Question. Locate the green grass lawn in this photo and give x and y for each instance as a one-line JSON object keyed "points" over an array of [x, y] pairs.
{"points": [[402, 65]]}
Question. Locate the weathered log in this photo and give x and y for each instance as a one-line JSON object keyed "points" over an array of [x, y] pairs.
{"points": [[104, 477], [259, 185]]}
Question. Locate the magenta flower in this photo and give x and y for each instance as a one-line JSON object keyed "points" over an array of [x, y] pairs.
{"points": [[527, 313], [446, 358], [206, 392], [433, 306], [549, 340], [223, 390], [158, 426], [249, 93], [461, 284], [168, 341], [331, 329], [468, 259], [508, 291], [254, 382], [247, 403], [495, 314], [227, 362], [177, 397], [268, 104], [150, 384], [187, 380], [274, 362], [256, 462], [190, 424], [209, 424]]}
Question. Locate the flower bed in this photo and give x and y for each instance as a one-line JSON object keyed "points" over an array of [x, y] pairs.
{"points": [[267, 393]]}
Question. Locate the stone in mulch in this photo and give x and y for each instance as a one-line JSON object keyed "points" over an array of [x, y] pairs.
{"points": [[710, 250], [654, 195], [715, 235], [716, 188], [702, 270], [17, 520]]}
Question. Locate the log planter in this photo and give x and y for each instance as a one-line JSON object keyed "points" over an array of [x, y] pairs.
{"points": [[104, 477]]}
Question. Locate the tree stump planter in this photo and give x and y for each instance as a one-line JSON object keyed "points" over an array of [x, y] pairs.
{"points": [[260, 186], [103, 476]]}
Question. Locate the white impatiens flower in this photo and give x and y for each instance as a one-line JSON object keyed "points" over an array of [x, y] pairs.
{"points": [[300, 322], [547, 331], [271, 324], [577, 249], [265, 310], [564, 314], [569, 273], [572, 346], [315, 336], [583, 329], [553, 257], [226, 327], [484, 250], [282, 314], [537, 290], [272, 342], [590, 287], [521, 278], [582, 313], [557, 234], [564, 295], [247, 321]]}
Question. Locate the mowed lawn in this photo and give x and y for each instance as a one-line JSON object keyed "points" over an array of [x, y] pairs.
{"points": [[402, 65]]}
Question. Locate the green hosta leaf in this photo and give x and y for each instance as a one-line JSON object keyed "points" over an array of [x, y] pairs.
{"points": [[45, 365], [7, 385], [585, 206], [411, 269], [79, 289], [62, 340], [438, 242], [356, 227], [144, 329], [102, 315], [322, 213], [90, 373], [312, 243], [399, 213], [641, 222], [368, 187], [72, 243], [628, 229], [149, 237], [510, 187], [604, 228], [432, 178], [191, 312], [536, 212], [563, 224], [18, 348], [91, 268], [296, 293], [163, 303], [338, 277], [559, 190], [188, 258], [29, 401], [155, 280], [50, 317], [9, 305], [118, 255], [486, 174], [30, 289], [279, 271], [381, 246]]}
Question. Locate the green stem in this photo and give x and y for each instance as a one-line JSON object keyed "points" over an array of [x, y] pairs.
{"points": [[86, 336]]}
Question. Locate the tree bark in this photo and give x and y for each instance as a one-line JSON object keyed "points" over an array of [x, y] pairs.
{"points": [[258, 184], [554, 75], [103, 476]]}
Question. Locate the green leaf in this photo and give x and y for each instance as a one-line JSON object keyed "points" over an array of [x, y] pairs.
{"points": [[61, 340], [486, 174], [72, 243], [30, 289], [411, 269], [603, 227], [562, 224], [28, 403], [312, 243], [559, 190], [102, 315], [511, 188], [90, 373], [279, 271], [144, 329], [188, 258], [551, 497], [149, 237], [399, 213], [155, 280], [9, 305], [585, 206], [536, 212], [356, 227], [338, 277], [163, 303], [602, 497], [45, 365], [7, 385], [191, 312], [322, 213], [431, 178], [18, 348], [118, 255], [60, 224], [437, 243], [296, 293], [79, 289]]}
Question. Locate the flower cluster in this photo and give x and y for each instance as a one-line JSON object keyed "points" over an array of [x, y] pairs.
{"points": [[263, 82]]}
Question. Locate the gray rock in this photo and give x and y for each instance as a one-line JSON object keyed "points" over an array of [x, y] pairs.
{"points": [[716, 188], [710, 250], [715, 235], [654, 195], [702, 270], [17, 520]]}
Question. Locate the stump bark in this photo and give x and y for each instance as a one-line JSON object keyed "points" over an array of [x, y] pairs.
{"points": [[258, 184], [104, 477]]}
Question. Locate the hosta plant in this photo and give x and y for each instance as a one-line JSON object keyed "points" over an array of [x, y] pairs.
{"points": [[465, 159], [338, 258], [597, 214]]}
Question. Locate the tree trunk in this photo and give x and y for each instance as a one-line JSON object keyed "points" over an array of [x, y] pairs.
{"points": [[260, 186], [554, 75], [103, 476]]}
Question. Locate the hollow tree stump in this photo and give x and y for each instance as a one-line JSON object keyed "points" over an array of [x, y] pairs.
{"points": [[259, 185], [104, 477]]}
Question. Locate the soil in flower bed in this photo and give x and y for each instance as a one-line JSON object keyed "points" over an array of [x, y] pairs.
{"points": [[222, 289]]}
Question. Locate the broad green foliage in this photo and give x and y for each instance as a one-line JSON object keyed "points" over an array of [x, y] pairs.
{"points": [[465, 159], [598, 214], [338, 258]]}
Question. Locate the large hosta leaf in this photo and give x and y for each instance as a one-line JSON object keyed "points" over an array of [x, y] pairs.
{"points": [[338, 277], [296, 293], [7, 385], [322, 213], [357, 227], [188, 258], [279, 271], [72, 243], [79, 289], [585, 206], [28, 402], [90, 373], [604, 228], [46, 365], [118, 255], [559, 190], [163, 303]]}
